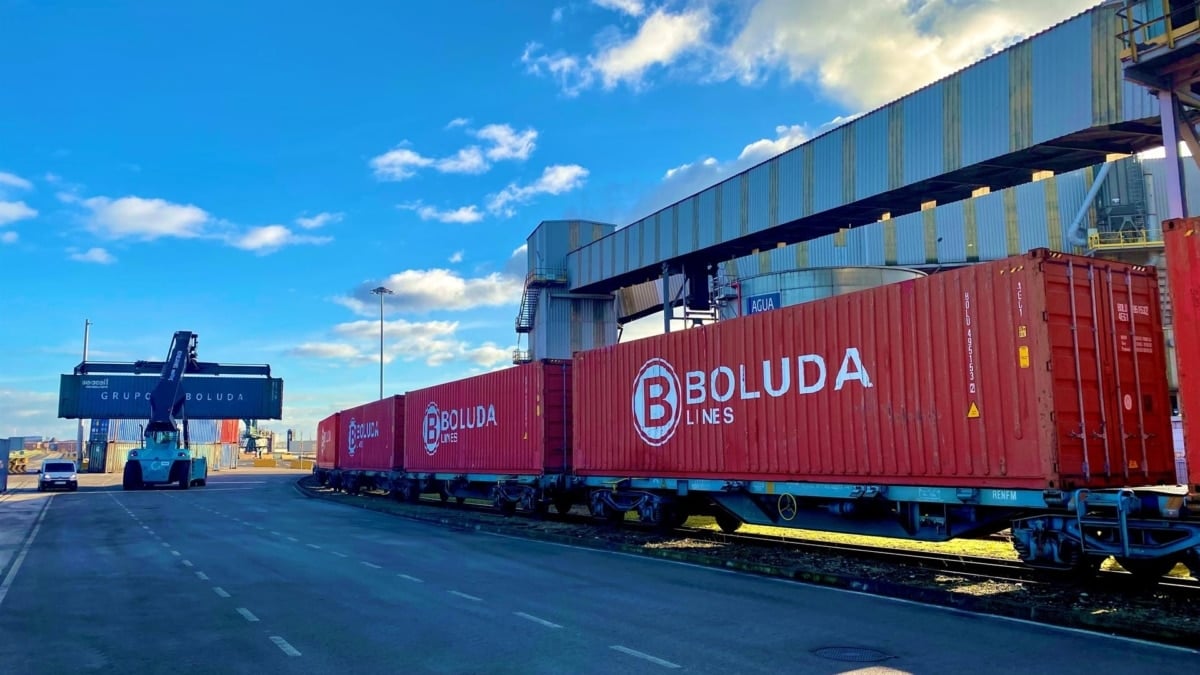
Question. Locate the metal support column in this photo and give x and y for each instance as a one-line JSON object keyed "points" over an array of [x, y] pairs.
{"points": [[1169, 114], [666, 294]]}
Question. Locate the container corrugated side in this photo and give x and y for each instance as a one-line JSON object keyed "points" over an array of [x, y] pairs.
{"points": [[230, 431], [514, 421], [954, 379], [1181, 237], [371, 436], [328, 438]]}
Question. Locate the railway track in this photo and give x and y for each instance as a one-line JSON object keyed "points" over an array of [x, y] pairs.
{"points": [[977, 567]]}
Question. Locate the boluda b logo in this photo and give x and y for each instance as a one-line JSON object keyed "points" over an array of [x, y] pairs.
{"points": [[359, 433], [431, 428], [656, 402]]}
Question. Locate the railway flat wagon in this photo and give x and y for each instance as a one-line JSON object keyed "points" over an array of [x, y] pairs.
{"points": [[503, 436], [930, 408], [327, 448], [370, 445]]}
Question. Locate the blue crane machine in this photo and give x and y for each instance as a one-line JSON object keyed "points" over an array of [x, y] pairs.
{"points": [[185, 389]]}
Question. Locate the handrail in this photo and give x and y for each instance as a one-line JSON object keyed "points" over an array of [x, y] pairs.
{"points": [[1161, 24]]}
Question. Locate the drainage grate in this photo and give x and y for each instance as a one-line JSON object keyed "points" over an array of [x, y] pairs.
{"points": [[854, 654]]}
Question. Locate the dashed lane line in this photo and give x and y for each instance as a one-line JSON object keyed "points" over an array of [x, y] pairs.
{"points": [[371, 565], [247, 614], [548, 624], [340, 554], [187, 563], [202, 576], [464, 595], [410, 578], [221, 591], [283, 645], [314, 546], [643, 655]]}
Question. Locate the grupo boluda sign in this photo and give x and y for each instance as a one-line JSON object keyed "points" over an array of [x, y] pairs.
{"points": [[204, 398]]}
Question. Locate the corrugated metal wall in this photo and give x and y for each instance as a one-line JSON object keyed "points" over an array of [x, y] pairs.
{"points": [[989, 227], [1061, 81]]}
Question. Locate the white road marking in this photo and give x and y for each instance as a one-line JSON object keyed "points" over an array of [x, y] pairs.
{"points": [[548, 624], [12, 572], [371, 565], [340, 555], [202, 576], [293, 539], [314, 546], [166, 545], [187, 563], [246, 613], [464, 595], [221, 591], [276, 533], [174, 552], [643, 655], [259, 527], [283, 644], [412, 579]]}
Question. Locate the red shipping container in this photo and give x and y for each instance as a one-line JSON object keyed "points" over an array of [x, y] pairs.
{"points": [[510, 421], [372, 436], [971, 377], [1182, 239], [230, 431], [328, 435]]}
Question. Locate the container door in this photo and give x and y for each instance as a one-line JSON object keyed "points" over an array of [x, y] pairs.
{"points": [[1110, 374]]}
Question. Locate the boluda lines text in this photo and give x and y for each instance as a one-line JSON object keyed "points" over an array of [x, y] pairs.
{"points": [[662, 400], [443, 426]]}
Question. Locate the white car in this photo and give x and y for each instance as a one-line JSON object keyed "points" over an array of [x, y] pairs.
{"points": [[58, 473]]}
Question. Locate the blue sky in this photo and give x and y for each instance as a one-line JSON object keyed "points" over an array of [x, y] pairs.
{"points": [[249, 171]]}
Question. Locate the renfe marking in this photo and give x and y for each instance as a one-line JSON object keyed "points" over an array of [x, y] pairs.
{"points": [[658, 410]]}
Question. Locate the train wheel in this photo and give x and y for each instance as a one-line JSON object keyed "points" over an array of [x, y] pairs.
{"points": [[1147, 571], [727, 521]]}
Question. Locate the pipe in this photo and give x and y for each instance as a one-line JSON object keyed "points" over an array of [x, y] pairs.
{"points": [[1073, 233]]}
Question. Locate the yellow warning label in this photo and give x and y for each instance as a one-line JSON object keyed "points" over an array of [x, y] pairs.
{"points": [[973, 411], [1023, 355]]}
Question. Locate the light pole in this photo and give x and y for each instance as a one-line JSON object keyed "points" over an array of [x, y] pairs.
{"points": [[79, 452], [381, 291]]}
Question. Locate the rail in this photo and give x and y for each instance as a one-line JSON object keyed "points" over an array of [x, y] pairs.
{"points": [[1149, 24], [1123, 239]]}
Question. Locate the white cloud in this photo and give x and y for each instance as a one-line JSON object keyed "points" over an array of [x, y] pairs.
{"points": [[456, 257], [11, 212], [144, 218], [14, 181], [9, 237], [270, 238], [94, 255], [32, 413], [52, 178], [555, 180], [630, 7], [319, 220], [398, 164], [433, 342], [463, 214], [503, 142], [508, 143], [467, 160], [557, 15], [814, 41], [435, 289], [662, 39]]}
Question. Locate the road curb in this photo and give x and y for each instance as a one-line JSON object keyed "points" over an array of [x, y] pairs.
{"points": [[1066, 618]]}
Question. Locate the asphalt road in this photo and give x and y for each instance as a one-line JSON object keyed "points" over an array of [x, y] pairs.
{"points": [[248, 576]]}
